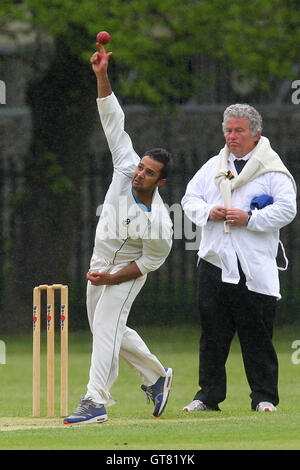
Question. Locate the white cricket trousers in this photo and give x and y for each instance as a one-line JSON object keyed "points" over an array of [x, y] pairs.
{"points": [[108, 308]]}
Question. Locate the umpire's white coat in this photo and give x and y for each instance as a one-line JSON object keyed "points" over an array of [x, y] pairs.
{"points": [[124, 233], [256, 244]]}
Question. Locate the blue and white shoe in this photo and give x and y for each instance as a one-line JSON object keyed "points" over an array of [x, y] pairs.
{"points": [[159, 392], [87, 412]]}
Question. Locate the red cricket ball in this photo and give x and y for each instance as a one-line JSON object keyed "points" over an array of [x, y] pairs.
{"points": [[103, 37]]}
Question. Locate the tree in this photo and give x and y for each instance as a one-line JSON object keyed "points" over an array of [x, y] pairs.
{"points": [[156, 42]]}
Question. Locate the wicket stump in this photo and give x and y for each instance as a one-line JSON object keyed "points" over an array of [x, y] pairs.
{"points": [[37, 291]]}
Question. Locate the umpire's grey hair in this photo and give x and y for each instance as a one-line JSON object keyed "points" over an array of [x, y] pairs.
{"points": [[244, 111]]}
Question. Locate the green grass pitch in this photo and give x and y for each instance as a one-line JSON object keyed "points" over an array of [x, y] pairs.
{"points": [[131, 425]]}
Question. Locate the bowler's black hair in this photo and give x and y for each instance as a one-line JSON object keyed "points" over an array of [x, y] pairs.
{"points": [[163, 156]]}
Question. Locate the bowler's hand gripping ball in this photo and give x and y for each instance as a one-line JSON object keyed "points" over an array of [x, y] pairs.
{"points": [[103, 37]]}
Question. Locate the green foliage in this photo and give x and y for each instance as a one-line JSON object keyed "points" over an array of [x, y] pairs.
{"points": [[154, 42], [50, 173], [59, 184]]}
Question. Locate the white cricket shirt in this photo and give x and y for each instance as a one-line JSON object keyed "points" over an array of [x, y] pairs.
{"points": [[125, 232]]}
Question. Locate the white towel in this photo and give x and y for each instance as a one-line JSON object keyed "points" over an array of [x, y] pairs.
{"points": [[263, 160]]}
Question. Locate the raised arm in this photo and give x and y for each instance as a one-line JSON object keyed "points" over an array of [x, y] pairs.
{"points": [[112, 117], [99, 62]]}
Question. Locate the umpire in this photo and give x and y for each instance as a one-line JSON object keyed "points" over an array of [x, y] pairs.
{"points": [[241, 198]]}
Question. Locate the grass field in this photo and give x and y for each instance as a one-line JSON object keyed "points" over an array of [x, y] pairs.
{"points": [[131, 425]]}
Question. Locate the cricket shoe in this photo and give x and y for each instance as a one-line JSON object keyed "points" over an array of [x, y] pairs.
{"points": [[159, 392], [87, 412], [196, 405], [265, 406]]}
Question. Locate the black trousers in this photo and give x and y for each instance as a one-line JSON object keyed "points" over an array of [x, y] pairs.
{"points": [[224, 310]]}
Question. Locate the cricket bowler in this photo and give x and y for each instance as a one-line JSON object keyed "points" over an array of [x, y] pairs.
{"points": [[133, 237]]}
